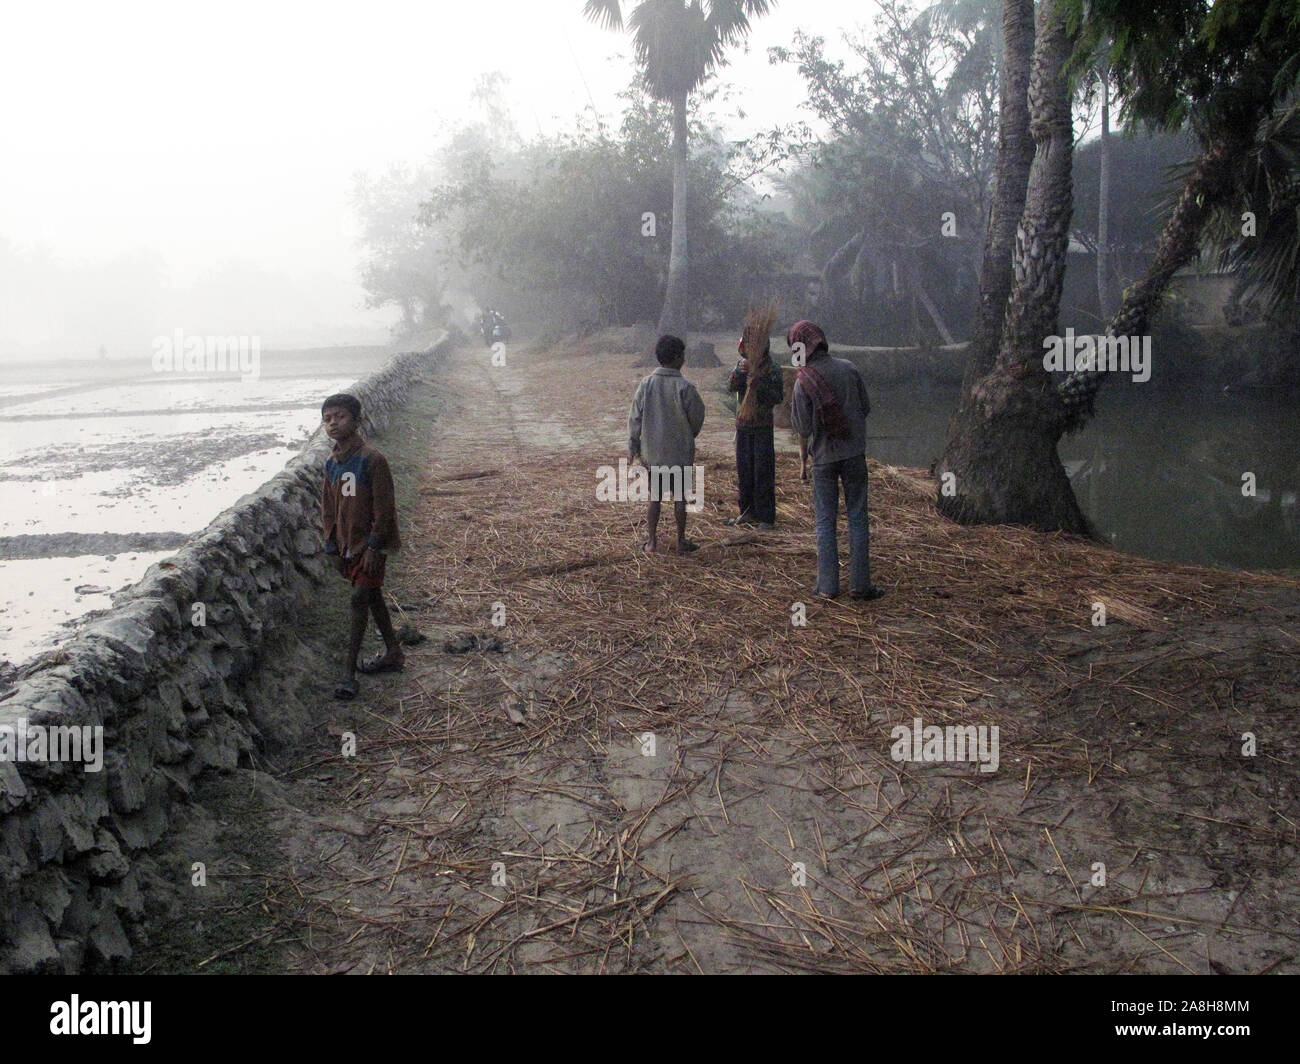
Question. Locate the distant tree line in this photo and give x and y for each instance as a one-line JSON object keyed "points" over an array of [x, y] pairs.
{"points": [[574, 229]]}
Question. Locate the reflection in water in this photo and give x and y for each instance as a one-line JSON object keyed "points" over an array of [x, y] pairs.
{"points": [[1159, 473]]}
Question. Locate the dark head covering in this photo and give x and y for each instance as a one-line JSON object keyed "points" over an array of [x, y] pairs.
{"points": [[806, 333], [830, 415]]}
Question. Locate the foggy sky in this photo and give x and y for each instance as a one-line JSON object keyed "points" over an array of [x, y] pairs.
{"points": [[220, 143]]}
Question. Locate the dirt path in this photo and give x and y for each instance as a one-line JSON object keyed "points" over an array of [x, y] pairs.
{"points": [[628, 786]]}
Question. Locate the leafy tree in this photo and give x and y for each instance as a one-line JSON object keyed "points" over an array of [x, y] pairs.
{"points": [[678, 43], [911, 117], [567, 227], [408, 264], [404, 263], [1228, 70]]}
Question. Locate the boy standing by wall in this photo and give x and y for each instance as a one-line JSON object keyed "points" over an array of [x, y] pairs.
{"points": [[359, 520], [667, 414]]}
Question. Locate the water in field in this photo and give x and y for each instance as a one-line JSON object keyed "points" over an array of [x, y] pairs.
{"points": [[94, 453]]}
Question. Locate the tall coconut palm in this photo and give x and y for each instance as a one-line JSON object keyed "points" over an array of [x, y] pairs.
{"points": [[1015, 155], [1227, 67], [1104, 267], [678, 44], [1001, 461]]}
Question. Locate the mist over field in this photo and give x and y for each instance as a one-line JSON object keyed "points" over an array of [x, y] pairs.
{"points": [[167, 167]]}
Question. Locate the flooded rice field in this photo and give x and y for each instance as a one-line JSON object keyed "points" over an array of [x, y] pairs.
{"points": [[107, 465]]}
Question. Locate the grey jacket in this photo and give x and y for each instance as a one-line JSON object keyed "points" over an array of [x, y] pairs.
{"points": [[846, 382], [667, 414]]}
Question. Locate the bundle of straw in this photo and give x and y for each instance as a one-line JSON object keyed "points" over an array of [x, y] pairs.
{"points": [[753, 344]]}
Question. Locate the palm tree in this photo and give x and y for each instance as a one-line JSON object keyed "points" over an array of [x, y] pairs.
{"points": [[1001, 457], [1266, 256], [678, 44], [1015, 154], [1104, 267], [1228, 68]]}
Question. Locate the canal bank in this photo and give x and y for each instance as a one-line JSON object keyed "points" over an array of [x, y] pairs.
{"points": [[185, 675]]}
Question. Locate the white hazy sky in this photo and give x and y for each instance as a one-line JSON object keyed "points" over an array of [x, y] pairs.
{"points": [[232, 131]]}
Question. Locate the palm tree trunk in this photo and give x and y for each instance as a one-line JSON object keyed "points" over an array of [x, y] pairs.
{"points": [[1209, 183], [674, 316], [1002, 453], [1103, 199], [1015, 155]]}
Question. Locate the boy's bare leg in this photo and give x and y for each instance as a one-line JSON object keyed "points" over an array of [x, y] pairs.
{"points": [[360, 616], [379, 609], [652, 520], [684, 545]]}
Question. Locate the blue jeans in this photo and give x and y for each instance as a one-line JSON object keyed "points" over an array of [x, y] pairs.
{"points": [[826, 503]]}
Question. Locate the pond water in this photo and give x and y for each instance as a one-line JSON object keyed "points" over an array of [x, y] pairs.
{"points": [[1158, 472]]}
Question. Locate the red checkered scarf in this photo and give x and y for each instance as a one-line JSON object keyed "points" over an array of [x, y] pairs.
{"points": [[830, 415]]}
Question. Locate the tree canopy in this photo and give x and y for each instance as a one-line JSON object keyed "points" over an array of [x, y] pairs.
{"points": [[573, 229]]}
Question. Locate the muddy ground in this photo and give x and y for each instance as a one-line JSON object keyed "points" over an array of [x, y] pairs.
{"points": [[505, 811]]}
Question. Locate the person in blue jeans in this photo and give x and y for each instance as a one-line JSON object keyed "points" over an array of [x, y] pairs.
{"points": [[829, 409]]}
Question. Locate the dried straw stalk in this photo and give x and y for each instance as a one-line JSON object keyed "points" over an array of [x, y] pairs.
{"points": [[754, 344]]}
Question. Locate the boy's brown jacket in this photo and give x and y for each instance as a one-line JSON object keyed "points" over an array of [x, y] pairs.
{"points": [[358, 507]]}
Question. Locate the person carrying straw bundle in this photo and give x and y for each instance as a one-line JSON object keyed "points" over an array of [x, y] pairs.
{"points": [[759, 385]]}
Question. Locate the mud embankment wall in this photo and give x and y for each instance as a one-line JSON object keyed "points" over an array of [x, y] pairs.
{"points": [[173, 674]]}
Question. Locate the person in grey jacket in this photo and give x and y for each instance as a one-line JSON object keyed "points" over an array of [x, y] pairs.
{"points": [[667, 414], [829, 408]]}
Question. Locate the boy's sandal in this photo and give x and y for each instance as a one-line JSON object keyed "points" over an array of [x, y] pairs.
{"points": [[869, 595], [345, 689], [378, 664], [687, 546]]}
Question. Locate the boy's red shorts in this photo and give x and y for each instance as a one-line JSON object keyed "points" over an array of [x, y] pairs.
{"points": [[358, 577]]}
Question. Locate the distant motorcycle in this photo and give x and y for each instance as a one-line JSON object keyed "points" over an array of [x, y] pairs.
{"points": [[494, 328]]}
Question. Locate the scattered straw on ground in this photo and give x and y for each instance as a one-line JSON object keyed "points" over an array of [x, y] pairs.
{"points": [[513, 815]]}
